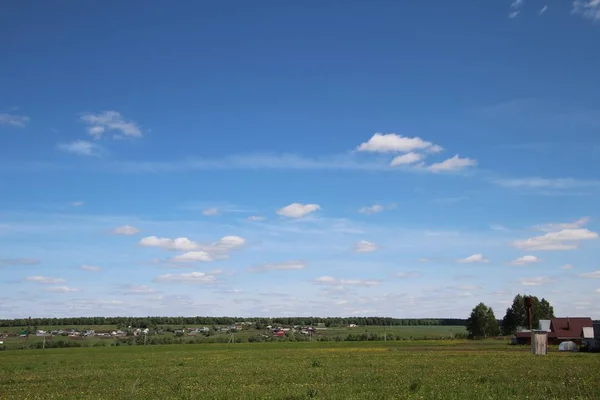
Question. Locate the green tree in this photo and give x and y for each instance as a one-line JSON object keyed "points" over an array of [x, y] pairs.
{"points": [[516, 314], [482, 323]]}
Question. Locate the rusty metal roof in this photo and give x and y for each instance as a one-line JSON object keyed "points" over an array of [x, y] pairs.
{"points": [[564, 328]]}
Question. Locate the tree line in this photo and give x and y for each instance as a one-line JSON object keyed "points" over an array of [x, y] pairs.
{"points": [[482, 322], [149, 322]]}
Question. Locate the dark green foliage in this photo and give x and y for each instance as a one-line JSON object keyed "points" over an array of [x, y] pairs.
{"points": [[516, 315], [482, 323]]}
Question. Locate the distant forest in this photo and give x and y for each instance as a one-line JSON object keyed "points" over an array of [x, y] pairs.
{"points": [[148, 322]]}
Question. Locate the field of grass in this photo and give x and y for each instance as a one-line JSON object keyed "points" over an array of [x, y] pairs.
{"points": [[324, 370]]}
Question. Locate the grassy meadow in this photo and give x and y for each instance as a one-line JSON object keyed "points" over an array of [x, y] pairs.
{"points": [[452, 369]]}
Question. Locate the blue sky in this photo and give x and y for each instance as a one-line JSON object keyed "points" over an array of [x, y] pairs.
{"points": [[324, 158]]}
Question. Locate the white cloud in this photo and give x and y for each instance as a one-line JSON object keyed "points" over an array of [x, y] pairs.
{"points": [[191, 277], [567, 267], [210, 211], [137, 290], [517, 4], [537, 281], [329, 280], [565, 225], [76, 203], [126, 230], [587, 8], [452, 164], [45, 280], [513, 14], [81, 147], [545, 183], [423, 260], [298, 210], [406, 159], [181, 244], [593, 275], [406, 275], [62, 289], [13, 120], [543, 10], [256, 218], [110, 121], [393, 143], [598, 290], [371, 209], [561, 240], [90, 268], [364, 246], [282, 266], [525, 260], [193, 256], [475, 258]]}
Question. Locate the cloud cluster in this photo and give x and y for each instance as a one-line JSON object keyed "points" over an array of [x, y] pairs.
{"points": [[589, 9], [536, 281], [81, 147], [559, 239], [13, 120], [298, 210], [194, 251], [106, 121], [409, 147], [375, 208], [45, 280]]}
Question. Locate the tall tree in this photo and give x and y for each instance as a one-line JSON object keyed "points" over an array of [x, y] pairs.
{"points": [[482, 323], [516, 315]]}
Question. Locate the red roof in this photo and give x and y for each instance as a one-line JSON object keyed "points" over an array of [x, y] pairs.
{"points": [[569, 328]]}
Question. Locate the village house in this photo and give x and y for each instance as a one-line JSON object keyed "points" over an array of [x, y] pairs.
{"points": [[560, 330]]}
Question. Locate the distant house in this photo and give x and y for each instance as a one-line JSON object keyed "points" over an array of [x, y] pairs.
{"points": [[560, 330]]}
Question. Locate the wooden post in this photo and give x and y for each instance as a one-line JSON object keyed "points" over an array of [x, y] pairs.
{"points": [[539, 343]]}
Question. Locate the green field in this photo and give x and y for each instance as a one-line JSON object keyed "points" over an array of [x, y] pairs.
{"points": [[324, 370]]}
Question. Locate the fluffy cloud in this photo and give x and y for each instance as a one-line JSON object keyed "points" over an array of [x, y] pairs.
{"points": [[45, 280], [282, 266], [393, 143], [13, 120], [525, 260], [62, 289], [452, 164], [329, 280], [545, 183], [565, 239], [81, 147], [193, 256], [406, 159], [5, 262], [90, 268], [475, 258], [98, 124], [181, 244], [593, 275], [210, 211], [587, 8], [126, 230], [537, 281], [365, 247], [298, 210], [191, 277], [567, 267]]}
